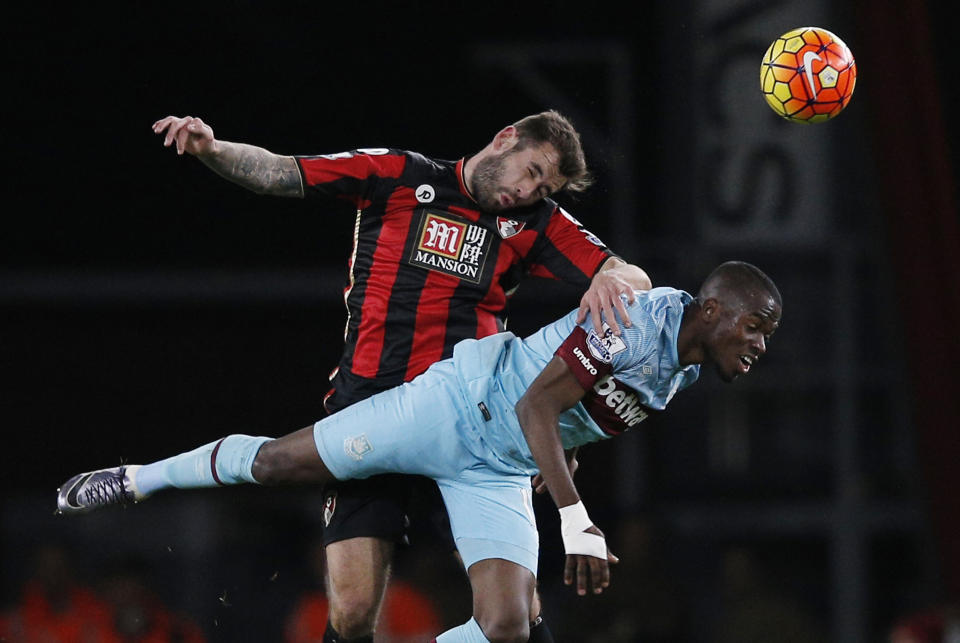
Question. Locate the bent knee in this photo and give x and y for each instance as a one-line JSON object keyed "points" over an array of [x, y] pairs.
{"points": [[536, 607], [354, 614], [291, 459], [269, 466], [499, 628]]}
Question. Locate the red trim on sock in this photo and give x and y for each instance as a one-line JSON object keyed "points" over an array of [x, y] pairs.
{"points": [[213, 462]]}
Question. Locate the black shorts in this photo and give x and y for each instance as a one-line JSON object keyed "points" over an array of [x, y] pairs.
{"points": [[394, 507]]}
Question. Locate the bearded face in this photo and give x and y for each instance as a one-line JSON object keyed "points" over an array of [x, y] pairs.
{"points": [[517, 177], [488, 181]]}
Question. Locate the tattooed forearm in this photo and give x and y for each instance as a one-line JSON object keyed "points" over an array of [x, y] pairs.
{"points": [[255, 168]]}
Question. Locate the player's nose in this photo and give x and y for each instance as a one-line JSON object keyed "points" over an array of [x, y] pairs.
{"points": [[760, 345]]}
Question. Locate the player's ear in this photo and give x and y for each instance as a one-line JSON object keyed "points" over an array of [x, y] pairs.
{"points": [[710, 310], [505, 139]]}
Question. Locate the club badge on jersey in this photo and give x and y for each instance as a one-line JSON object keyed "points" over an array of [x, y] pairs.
{"points": [[509, 227]]}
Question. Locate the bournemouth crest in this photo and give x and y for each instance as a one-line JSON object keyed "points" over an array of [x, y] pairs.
{"points": [[329, 507], [509, 227]]}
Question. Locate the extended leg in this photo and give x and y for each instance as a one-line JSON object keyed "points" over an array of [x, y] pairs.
{"points": [[292, 459], [235, 459]]}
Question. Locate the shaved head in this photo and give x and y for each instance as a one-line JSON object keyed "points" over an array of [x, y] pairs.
{"points": [[740, 282], [731, 321]]}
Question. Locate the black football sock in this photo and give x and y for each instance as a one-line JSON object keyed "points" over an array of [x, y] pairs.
{"points": [[539, 632], [330, 635]]}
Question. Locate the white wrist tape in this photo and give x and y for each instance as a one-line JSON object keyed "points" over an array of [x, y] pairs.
{"points": [[573, 521]]}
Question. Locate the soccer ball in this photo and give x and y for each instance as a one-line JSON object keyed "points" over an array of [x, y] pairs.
{"points": [[808, 75]]}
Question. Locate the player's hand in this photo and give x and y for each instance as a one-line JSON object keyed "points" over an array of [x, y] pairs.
{"points": [[589, 573], [191, 135], [603, 296], [540, 485]]}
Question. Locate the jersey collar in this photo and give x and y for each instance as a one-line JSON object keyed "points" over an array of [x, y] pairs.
{"points": [[461, 164]]}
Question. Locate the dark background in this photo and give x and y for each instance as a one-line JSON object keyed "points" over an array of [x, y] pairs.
{"points": [[147, 306]]}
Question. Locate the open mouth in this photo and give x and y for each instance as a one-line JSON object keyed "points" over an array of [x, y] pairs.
{"points": [[746, 361]]}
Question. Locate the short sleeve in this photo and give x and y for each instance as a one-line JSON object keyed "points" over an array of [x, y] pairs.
{"points": [[569, 252], [349, 175]]}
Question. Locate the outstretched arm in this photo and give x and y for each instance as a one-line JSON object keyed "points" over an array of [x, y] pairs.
{"points": [[552, 392], [249, 166], [615, 277]]}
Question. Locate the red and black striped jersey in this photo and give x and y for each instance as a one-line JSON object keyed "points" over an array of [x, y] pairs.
{"points": [[428, 267]]}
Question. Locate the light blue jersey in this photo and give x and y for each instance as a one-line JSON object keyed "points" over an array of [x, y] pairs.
{"points": [[626, 377], [456, 422]]}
